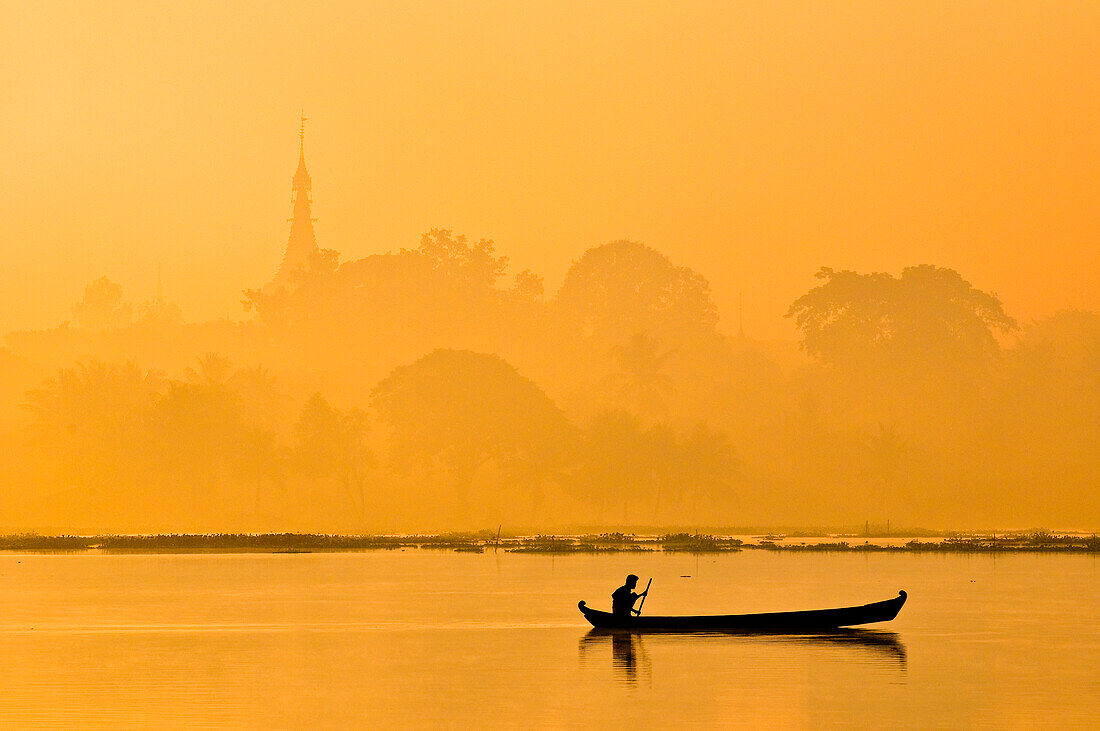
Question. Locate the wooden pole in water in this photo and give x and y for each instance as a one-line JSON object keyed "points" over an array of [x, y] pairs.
{"points": [[645, 594]]}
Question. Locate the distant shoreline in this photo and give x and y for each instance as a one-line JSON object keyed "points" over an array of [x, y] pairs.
{"points": [[1033, 542]]}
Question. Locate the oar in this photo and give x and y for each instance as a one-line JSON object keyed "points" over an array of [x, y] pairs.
{"points": [[644, 595]]}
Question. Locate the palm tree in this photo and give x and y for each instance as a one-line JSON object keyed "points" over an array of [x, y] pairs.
{"points": [[214, 370], [94, 390], [260, 458], [89, 417], [262, 401], [640, 385]]}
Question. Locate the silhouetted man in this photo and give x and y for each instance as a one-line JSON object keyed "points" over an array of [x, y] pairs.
{"points": [[623, 598]]}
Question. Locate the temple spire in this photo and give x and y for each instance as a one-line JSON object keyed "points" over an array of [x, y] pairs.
{"points": [[301, 246]]}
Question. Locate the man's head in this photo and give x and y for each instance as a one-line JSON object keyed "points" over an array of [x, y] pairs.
{"points": [[631, 581]]}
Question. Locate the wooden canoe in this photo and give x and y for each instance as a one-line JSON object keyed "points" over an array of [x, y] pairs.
{"points": [[805, 621]]}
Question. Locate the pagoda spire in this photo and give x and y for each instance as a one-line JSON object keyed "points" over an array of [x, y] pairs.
{"points": [[301, 246]]}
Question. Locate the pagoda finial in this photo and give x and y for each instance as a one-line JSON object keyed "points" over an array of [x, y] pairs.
{"points": [[301, 247], [301, 177]]}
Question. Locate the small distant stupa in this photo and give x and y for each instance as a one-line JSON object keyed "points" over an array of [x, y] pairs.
{"points": [[301, 247]]}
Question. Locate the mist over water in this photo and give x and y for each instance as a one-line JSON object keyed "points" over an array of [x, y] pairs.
{"points": [[422, 638]]}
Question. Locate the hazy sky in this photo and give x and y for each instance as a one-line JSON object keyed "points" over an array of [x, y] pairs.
{"points": [[753, 141]]}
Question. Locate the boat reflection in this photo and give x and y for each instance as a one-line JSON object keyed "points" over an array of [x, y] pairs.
{"points": [[629, 658]]}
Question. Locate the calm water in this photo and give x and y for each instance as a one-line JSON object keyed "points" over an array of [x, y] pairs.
{"points": [[417, 638]]}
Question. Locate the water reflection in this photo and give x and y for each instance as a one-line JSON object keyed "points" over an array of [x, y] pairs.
{"points": [[626, 648], [628, 655], [629, 658]]}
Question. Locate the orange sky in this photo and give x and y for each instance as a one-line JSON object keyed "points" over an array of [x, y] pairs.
{"points": [[753, 141]]}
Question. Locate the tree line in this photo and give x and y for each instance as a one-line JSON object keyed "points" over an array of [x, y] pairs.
{"points": [[425, 388]]}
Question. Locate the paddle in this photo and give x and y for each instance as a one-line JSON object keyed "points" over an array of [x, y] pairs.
{"points": [[644, 595]]}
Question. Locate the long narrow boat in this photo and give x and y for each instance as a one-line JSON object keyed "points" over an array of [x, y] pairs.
{"points": [[806, 621]]}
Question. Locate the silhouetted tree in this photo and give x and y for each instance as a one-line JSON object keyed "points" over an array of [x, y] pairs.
{"points": [[160, 312], [199, 428], [102, 308], [260, 396], [1044, 423], [470, 265], [331, 442], [1070, 338], [261, 457], [661, 461], [927, 318], [614, 463], [461, 409], [919, 347], [89, 419], [641, 385], [528, 286], [707, 466], [213, 370], [443, 293], [627, 287]]}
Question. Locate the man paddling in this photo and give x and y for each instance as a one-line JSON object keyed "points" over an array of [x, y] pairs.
{"points": [[623, 598]]}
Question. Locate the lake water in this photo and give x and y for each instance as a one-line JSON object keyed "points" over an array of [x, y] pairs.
{"points": [[421, 638]]}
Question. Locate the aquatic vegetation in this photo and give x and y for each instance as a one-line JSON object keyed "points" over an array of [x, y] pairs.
{"points": [[583, 544], [549, 544], [696, 543]]}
